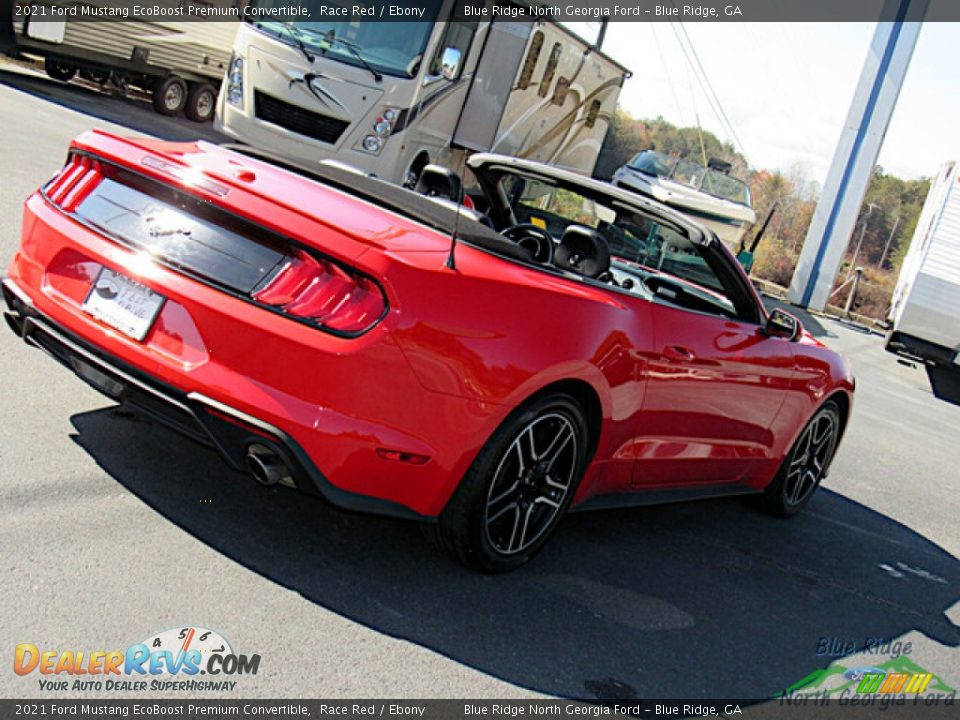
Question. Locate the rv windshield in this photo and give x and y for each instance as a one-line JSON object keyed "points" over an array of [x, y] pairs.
{"points": [[392, 48]]}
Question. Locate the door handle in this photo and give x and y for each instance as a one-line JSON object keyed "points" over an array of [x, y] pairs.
{"points": [[678, 352]]}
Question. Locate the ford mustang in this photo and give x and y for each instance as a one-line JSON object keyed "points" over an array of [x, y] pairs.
{"points": [[478, 360]]}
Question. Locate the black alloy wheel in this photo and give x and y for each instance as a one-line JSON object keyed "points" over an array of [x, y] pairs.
{"points": [[521, 482], [807, 463], [531, 483]]}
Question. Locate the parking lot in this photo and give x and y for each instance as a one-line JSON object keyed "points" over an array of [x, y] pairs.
{"points": [[115, 528]]}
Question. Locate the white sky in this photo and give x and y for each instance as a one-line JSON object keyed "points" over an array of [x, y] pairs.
{"points": [[786, 88]]}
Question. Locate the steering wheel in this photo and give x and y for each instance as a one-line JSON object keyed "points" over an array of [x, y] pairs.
{"points": [[533, 238]]}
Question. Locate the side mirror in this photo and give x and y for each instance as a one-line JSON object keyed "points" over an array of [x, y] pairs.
{"points": [[783, 325], [450, 63]]}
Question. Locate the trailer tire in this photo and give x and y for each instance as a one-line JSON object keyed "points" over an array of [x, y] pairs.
{"points": [[201, 102], [170, 95], [59, 70]]}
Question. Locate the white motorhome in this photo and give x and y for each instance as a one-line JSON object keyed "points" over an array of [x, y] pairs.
{"points": [[180, 63], [925, 307], [390, 97]]}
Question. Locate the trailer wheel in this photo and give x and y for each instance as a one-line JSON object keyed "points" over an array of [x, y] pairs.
{"points": [[170, 95], [201, 102], [59, 70]]}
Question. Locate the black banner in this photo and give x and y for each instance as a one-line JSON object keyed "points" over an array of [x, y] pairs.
{"points": [[489, 10], [890, 706]]}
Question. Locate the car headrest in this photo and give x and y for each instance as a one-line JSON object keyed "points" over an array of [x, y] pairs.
{"points": [[437, 181], [583, 251]]}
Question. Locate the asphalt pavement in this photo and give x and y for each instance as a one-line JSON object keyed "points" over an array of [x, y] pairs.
{"points": [[114, 528]]}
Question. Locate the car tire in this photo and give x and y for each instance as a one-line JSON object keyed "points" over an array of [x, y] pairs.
{"points": [[806, 465], [519, 486], [170, 95], [59, 70], [201, 102]]}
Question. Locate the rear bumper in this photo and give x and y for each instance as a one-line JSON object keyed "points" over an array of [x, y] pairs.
{"points": [[354, 406], [212, 423]]}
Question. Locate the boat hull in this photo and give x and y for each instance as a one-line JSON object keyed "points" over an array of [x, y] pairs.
{"points": [[728, 220]]}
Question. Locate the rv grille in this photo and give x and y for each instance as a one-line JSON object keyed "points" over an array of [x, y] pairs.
{"points": [[298, 120]]}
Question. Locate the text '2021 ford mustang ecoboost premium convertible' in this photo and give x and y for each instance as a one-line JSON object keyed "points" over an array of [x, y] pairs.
{"points": [[575, 347]]}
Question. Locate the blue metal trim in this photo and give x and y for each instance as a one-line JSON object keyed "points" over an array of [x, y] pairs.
{"points": [[855, 151]]}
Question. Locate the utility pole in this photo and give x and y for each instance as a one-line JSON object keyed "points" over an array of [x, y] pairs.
{"points": [[863, 230], [886, 248], [848, 308], [834, 220]]}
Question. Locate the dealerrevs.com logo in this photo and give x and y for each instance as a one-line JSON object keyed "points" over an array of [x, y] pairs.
{"points": [[171, 660]]}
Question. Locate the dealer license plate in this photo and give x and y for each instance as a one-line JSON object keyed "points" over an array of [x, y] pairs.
{"points": [[123, 304]]}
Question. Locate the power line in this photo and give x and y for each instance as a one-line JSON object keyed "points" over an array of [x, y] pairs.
{"points": [[712, 91], [706, 85], [666, 71], [691, 70]]}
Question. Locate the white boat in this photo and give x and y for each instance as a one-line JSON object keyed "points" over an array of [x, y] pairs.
{"points": [[708, 195]]}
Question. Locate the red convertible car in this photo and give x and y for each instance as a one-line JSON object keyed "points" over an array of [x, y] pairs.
{"points": [[563, 345]]}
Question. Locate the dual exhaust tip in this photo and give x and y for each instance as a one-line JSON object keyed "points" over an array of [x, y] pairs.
{"points": [[267, 466]]}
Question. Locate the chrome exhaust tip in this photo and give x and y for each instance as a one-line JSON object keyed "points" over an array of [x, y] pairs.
{"points": [[267, 467]]}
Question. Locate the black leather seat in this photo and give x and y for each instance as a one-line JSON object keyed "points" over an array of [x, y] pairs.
{"points": [[583, 251], [438, 181]]}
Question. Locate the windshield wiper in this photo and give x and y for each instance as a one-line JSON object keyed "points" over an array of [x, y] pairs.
{"points": [[331, 37], [301, 46]]}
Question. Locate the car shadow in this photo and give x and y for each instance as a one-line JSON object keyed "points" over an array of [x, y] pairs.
{"points": [[703, 600], [130, 112]]}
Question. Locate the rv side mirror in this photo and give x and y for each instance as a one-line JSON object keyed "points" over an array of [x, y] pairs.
{"points": [[450, 63], [783, 325]]}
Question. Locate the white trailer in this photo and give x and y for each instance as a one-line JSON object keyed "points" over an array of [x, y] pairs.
{"points": [[925, 307], [180, 64], [390, 97]]}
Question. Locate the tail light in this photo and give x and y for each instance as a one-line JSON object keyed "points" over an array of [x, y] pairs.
{"points": [[323, 293], [335, 298], [74, 182]]}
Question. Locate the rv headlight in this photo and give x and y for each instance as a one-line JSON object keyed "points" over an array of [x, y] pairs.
{"points": [[235, 81], [371, 143], [382, 128], [390, 115]]}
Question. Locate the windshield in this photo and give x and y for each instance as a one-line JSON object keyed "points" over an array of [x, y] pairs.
{"points": [[693, 175], [652, 163], [724, 186], [633, 237], [646, 242], [392, 48]]}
